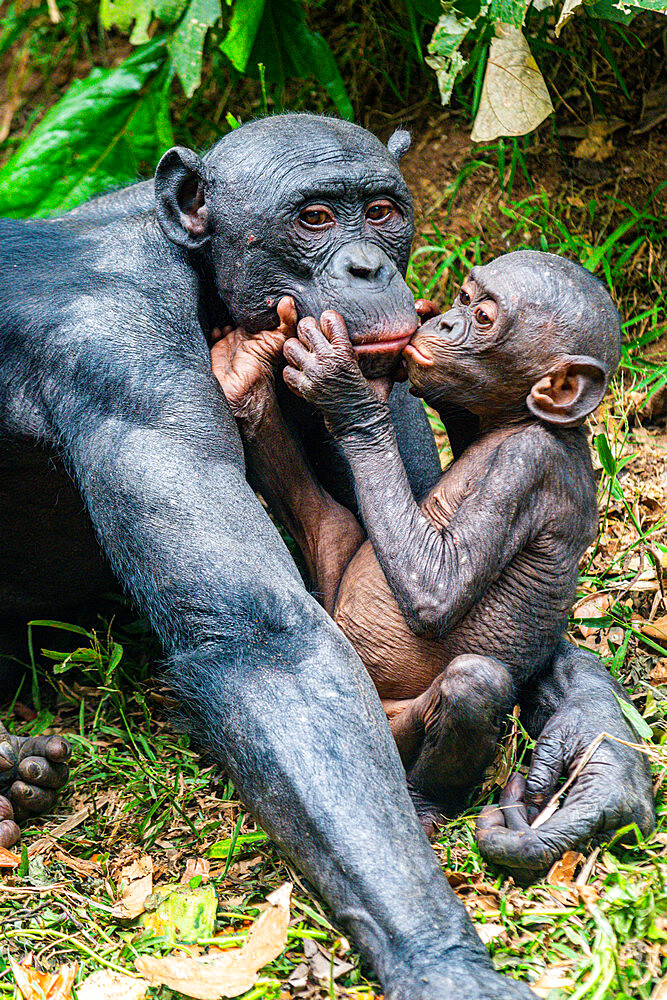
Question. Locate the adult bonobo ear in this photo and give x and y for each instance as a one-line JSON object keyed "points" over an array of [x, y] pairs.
{"points": [[180, 182], [569, 393], [399, 144]]}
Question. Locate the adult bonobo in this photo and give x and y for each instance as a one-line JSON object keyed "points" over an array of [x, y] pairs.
{"points": [[105, 371]]}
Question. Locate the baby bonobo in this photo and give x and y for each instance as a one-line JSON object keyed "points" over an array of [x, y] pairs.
{"points": [[452, 604]]}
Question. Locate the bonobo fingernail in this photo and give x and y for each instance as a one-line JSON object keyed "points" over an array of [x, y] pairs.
{"points": [[8, 758]]}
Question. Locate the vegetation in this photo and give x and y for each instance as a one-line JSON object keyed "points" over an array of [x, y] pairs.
{"points": [[91, 101]]}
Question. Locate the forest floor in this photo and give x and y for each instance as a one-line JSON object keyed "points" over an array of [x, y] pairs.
{"points": [[596, 927]]}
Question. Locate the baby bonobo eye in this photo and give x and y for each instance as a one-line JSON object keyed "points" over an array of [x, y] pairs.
{"points": [[381, 210], [464, 298], [485, 314], [316, 217]]}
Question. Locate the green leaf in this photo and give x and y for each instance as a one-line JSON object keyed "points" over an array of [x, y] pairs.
{"points": [[124, 13], [239, 40], [222, 848], [288, 48], [508, 11], [604, 454], [640, 725], [186, 45], [98, 136], [444, 56]]}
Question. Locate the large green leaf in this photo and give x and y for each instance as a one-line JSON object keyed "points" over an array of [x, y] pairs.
{"points": [[96, 137], [508, 11], [287, 48], [239, 40], [444, 56], [186, 45]]}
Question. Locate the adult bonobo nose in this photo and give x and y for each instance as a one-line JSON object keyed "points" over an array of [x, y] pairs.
{"points": [[363, 262], [364, 285]]}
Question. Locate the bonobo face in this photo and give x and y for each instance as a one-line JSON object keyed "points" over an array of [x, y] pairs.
{"points": [[529, 333], [304, 206]]}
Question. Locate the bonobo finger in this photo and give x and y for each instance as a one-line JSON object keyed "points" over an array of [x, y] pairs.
{"points": [[9, 833], [490, 818], [30, 800], [296, 380], [426, 309], [8, 756], [54, 748], [513, 805], [39, 771], [335, 330], [546, 768], [287, 316], [297, 355], [312, 337], [6, 810]]}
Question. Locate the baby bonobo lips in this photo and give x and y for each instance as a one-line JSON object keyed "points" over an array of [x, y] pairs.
{"points": [[413, 352]]}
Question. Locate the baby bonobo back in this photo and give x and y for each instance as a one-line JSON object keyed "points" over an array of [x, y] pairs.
{"points": [[523, 610]]}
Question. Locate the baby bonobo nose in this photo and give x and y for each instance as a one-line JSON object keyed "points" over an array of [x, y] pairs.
{"points": [[361, 261]]}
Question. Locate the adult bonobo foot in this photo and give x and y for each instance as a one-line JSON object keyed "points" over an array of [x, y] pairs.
{"points": [[448, 735], [244, 364], [32, 769], [463, 979]]}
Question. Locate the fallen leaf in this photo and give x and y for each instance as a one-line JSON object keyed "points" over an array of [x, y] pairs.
{"points": [[8, 859], [36, 985], [233, 972], [195, 867], [136, 884], [562, 871], [566, 13], [323, 964], [108, 985], [549, 981], [656, 629], [488, 932], [181, 914], [591, 608], [660, 991], [514, 97], [659, 672]]}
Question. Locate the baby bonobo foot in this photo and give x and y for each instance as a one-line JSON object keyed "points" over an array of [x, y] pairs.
{"points": [[244, 364], [461, 716], [32, 769]]}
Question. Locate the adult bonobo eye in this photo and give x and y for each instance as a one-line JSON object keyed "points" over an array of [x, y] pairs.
{"points": [[381, 211], [316, 217], [485, 314]]}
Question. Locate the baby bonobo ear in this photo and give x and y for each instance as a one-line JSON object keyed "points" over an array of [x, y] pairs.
{"points": [[569, 393], [182, 212], [399, 144]]}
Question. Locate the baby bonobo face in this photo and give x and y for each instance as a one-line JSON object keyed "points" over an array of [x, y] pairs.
{"points": [[530, 334]]}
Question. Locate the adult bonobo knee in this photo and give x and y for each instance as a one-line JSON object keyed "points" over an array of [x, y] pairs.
{"points": [[105, 372]]}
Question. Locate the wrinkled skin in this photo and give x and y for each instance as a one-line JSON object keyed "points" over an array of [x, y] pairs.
{"points": [[116, 441], [32, 769]]}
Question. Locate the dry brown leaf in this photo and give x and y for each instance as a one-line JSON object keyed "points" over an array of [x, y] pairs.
{"points": [[656, 629], [194, 867], [108, 985], [660, 991], [659, 672], [562, 871], [488, 932], [551, 980], [136, 884], [8, 859], [592, 607], [514, 96], [35, 985], [232, 972]]}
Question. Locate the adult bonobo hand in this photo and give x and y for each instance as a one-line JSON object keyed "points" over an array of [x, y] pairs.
{"points": [[613, 789]]}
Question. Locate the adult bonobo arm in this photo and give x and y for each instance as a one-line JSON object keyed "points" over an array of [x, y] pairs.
{"points": [[567, 707], [267, 680]]}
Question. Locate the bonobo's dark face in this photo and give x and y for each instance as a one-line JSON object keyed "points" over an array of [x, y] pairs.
{"points": [[304, 206], [530, 333]]}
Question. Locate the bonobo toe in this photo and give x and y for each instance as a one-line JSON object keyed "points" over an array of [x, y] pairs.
{"points": [[39, 771], [31, 800], [9, 831]]}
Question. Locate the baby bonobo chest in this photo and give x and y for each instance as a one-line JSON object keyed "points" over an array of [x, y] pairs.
{"points": [[518, 619]]}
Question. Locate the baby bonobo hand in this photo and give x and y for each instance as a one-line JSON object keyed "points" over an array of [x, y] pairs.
{"points": [[32, 769], [244, 364], [322, 368]]}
